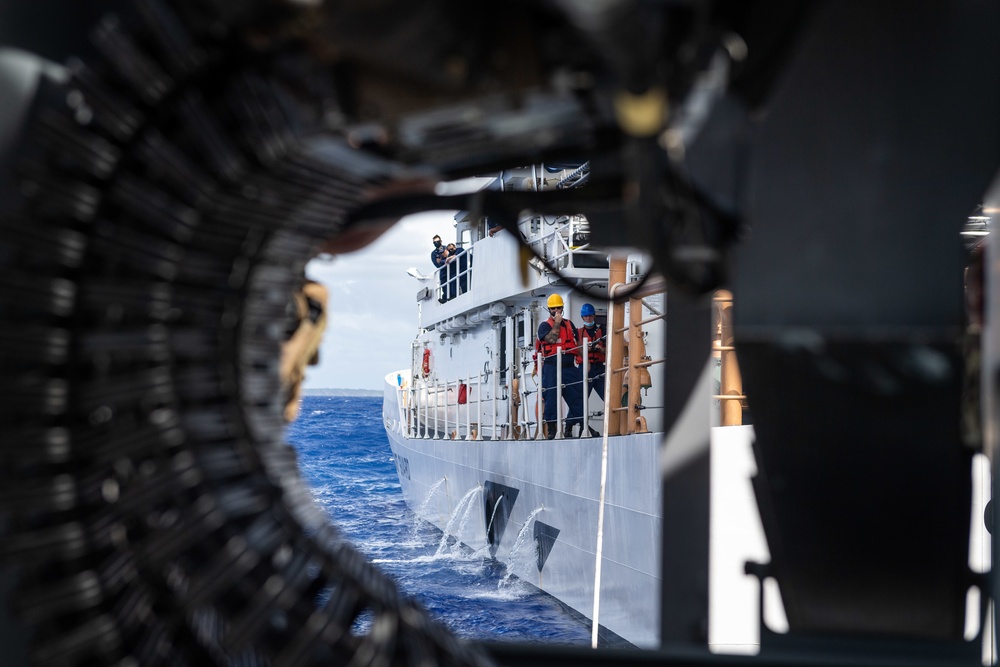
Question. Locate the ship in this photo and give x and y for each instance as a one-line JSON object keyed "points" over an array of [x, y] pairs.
{"points": [[577, 517], [161, 193]]}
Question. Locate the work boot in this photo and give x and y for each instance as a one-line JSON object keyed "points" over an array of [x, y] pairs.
{"points": [[593, 432], [550, 431], [568, 431]]}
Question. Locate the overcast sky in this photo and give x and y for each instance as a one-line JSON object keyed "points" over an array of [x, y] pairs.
{"points": [[373, 304]]}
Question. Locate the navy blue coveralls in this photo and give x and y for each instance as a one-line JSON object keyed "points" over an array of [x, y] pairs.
{"points": [[572, 377]]}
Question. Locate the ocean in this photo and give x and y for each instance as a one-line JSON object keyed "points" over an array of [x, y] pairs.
{"points": [[345, 458]]}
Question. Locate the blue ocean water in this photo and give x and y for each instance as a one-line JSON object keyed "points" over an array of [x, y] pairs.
{"points": [[345, 458]]}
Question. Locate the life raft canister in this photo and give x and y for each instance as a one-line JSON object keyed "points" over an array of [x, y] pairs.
{"points": [[426, 365]]}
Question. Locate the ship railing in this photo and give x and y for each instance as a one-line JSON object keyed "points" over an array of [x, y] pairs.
{"points": [[565, 243], [634, 422], [441, 410], [455, 278], [526, 400], [585, 371], [584, 384], [436, 409], [626, 377]]}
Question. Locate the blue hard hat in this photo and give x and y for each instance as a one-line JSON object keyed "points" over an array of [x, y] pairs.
{"points": [[586, 310]]}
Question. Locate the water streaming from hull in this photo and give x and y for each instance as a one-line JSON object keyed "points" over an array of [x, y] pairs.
{"points": [[518, 562], [462, 526], [489, 526], [344, 455], [449, 530], [422, 509]]}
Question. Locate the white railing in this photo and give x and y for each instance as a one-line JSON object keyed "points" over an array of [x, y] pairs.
{"points": [[455, 278], [565, 241], [431, 408]]}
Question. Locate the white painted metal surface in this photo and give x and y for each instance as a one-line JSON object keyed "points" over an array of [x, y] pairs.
{"points": [[559, 483]]}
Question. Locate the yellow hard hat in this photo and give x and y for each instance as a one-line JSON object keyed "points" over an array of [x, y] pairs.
{"points": [[555, 301]]}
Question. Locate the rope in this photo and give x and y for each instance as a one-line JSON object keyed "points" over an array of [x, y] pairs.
{"points": [[599, 555]]}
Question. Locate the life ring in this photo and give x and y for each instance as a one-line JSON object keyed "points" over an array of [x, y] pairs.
{"points": [[425, 366]]}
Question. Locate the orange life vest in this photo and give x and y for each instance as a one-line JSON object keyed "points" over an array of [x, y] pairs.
{"points": [[596, 354], [567, 340]]}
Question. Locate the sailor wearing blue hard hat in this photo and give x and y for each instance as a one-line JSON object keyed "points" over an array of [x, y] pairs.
{"points": [[596, 353]]}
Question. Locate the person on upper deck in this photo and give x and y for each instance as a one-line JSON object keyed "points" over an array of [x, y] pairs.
{"points": [[438, 259], [593, 332], [557, 336]]}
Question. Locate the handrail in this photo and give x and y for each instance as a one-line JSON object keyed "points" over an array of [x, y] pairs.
{"points": [[564, 249], [423, 404], [458, 283], [633, 370], [645, 321]]}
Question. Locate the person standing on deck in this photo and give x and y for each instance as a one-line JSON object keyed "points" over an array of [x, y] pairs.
{"points": [[438, 257], [555, 333], [593, 332]]}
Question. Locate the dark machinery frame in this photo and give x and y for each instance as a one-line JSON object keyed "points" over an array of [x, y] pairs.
{"points": [[164, 185]]}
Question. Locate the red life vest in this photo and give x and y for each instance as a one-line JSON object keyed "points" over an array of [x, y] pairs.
{"points": [[596, 355], [567, 340]]}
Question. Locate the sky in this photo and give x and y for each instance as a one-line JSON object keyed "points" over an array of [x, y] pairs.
{"points": [[372, 308]]}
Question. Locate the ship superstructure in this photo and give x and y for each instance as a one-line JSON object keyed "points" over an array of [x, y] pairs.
{"points": [[464, 420]]}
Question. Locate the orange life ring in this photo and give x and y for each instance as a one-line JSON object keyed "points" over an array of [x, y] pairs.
{"points": [[426, 366]]}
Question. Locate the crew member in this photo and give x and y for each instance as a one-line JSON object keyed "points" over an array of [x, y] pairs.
{"points": [[553, 334], [593, 332], [438, 258]]}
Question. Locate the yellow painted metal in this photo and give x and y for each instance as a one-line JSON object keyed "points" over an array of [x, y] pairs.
{"points": [[616, 346], [731, 382]]}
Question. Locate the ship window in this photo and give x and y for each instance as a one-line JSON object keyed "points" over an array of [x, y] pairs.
{"points": [[587, 260]]}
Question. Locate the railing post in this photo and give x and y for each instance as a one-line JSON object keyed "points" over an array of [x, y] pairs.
{"points": [[539, 404], [468, 409], [586, 387], [634, 343], [569, 243], [447, 404], [437, 409], [559, 403], [427, 409], [524, 402], [479, 406], [496, 385]]}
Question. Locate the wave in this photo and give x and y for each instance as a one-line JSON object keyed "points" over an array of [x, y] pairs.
{"points": [[344, 456]]}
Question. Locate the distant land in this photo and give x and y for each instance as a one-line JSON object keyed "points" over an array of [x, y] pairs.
{"points": [[341, 392]]}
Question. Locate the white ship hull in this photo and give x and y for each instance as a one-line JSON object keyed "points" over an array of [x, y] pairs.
{"points": [[464, 425], [552, 499]]}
